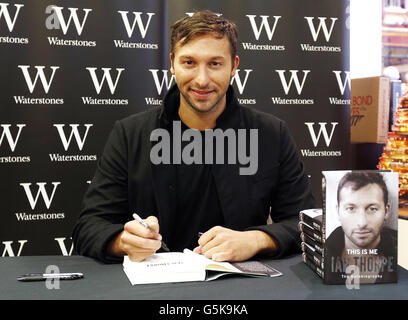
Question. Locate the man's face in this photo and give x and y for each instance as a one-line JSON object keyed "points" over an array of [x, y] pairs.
{"points": [[203, 70], [362, 213]]}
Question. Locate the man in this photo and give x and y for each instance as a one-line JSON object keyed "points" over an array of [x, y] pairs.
{"points": [[362, 239], [180, 200]]}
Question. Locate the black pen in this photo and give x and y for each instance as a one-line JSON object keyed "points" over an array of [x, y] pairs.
{"points": [[144, 224], [45, 276]]}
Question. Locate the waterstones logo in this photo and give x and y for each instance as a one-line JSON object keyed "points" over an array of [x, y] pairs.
{"points": [[162, 83], [343, 82], [292, 83], [264, 27], [11, 249], [57, 20], [5, 14], [324, 28], [33, 194], [40, 191], [142, 27], [99, 81], [32, 84], [65, 251], [10, 20], [321, 137], [241, 84], [67, 142], [9, 136], [12, 142]]}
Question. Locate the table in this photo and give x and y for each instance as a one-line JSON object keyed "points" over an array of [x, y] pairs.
{"points": [[104, 281]]}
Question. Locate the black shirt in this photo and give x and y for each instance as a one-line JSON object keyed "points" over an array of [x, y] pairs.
{"points": [[198, 206]]}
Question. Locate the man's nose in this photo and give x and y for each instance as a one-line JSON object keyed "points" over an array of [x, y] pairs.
{"points": [[202, 77], [361, 219]]}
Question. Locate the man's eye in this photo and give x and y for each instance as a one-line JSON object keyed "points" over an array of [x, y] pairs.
{"points": [[215, 64], [349, 209], [372, 209], [188, 62]]}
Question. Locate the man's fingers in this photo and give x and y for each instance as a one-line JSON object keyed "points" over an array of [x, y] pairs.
{"points": [[140, 242], [135, 228], [140, 256], [220, 256], [209, 235], [218, 253], [197, 250], [153, 223], [214, 242], [212, 238]]}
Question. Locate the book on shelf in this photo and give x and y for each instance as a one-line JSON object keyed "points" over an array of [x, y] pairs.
{"points": [[359, 228], [369, 109], [395, 96], [189, 266]]}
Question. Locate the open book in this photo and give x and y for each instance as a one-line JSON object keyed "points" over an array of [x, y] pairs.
{"points": [[189, 266]]}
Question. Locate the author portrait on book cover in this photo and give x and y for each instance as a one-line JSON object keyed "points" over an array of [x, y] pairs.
{"points": [[366, 236]]}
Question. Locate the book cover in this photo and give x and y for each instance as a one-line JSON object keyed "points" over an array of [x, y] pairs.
{"points": [[369, 109], [360, 215]]}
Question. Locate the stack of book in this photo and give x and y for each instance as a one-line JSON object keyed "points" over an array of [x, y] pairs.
{"points": [[311, 227]]}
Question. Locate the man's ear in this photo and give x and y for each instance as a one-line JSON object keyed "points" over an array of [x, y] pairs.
{"points": [[235, 66], [387, 211], [171, 62]]}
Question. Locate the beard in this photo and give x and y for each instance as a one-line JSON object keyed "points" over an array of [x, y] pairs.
{"points": [[197, 109]]}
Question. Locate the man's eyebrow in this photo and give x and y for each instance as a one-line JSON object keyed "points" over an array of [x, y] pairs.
{"points": [[212, 58], [348, 203], [185, 57], [375, 203], [218, 58]]}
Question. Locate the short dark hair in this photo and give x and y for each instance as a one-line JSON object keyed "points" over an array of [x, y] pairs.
{"points": [[358, 180], [204, 22]]}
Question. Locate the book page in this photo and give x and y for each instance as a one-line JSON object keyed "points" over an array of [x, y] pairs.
{"points": [[209, 264]]}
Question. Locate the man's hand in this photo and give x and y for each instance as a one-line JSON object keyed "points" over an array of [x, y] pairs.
{"points": [[222, 244], [136, 241]]}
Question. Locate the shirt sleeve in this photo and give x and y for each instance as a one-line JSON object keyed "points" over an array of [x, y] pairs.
{"points": [[292, 196], [105, 204]]}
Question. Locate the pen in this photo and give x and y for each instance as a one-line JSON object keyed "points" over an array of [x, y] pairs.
{"points": [[45, 276], [144, 224]]}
